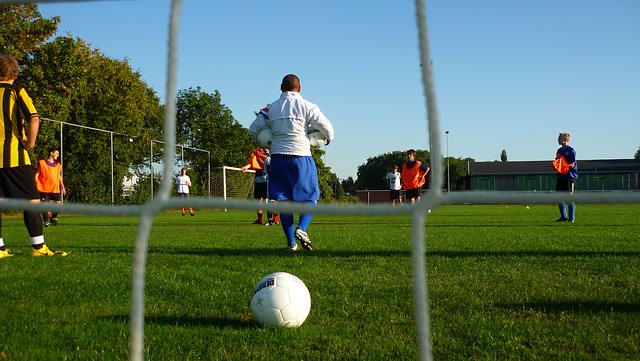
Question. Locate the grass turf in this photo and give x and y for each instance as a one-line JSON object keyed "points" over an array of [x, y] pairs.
{"points": [[504, 283]]}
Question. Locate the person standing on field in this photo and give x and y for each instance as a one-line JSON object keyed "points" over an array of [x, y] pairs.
{"points": [[566, 181], [258, 162], [394, 182], [414, 174], [184, 183], [293, 175], [20, 122], [50, 185]]}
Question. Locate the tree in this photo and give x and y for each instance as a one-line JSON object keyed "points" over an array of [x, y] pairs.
{"points": [[371, 175], [72, 83], [503, 156], [203, 122], [637, 156], [23, 29]]}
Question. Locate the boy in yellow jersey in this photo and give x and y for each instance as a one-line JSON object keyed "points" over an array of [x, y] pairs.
{"points": [[50, 185], [17, 176]]}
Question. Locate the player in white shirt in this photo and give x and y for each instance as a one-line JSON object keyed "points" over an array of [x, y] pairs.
{"points": [[394, 181], [293, 175], [183, 182]]}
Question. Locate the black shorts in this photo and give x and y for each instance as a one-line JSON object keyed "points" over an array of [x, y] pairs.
{"points": [[46, 197], [260, 191], [18, 183], [413, 193], [565, 185], [394, 194]]}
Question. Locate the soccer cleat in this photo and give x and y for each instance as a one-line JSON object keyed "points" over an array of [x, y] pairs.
{"points": [[293, 246], [258, 222], [5, 254], [54, 221], [192, 214], [47, 223], [46, 251], [303, 238], [562, 219]]}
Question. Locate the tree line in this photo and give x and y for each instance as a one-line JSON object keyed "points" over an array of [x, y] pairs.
{"points": [[71, 82]]}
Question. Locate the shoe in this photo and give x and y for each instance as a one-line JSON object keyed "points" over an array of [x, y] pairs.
{"points": [[303, 237], [272, 223], [5, 254], [257, 222], [293, 247], [193, 214], [54, 221], [46, 251], [572, 220], [562, 219], [47, 223]]}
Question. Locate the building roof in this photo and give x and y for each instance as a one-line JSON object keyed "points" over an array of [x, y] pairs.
{"points": [[544, 167]]}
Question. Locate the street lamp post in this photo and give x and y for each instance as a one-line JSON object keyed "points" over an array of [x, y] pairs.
{"points": [[448, 175]]}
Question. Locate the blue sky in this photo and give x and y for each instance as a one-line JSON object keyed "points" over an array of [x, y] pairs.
{"points": [[508, 74]]}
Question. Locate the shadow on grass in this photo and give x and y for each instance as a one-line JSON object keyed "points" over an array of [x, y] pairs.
{"points": [[186, 321], [574, 307], [326, 253]]}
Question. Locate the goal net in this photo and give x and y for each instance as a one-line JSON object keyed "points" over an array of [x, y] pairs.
{"points": [[231, 182]]}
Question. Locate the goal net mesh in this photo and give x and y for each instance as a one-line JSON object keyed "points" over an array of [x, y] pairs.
{"points": [[238, 188], [231, 182]]}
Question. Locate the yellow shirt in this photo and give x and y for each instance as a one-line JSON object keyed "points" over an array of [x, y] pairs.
{"points": [[20, 108]]}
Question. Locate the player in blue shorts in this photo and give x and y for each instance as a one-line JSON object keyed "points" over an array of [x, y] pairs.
{"points": [[293, 175]]}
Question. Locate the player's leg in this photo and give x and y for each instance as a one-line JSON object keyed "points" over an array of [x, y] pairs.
{"points": [[20, 183], [562, 185], [280, 189], [305, 190], [56, 197], [572, 205]]}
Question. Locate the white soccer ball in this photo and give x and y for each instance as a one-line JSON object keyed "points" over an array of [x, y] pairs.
{"points": [[316, 138], [264, 138], [281, 300]]}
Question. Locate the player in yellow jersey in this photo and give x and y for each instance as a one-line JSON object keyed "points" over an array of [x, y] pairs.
{"points": [[17, 176]]}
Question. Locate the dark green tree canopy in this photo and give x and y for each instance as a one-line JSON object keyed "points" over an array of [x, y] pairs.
{"points": [[23, 29]]}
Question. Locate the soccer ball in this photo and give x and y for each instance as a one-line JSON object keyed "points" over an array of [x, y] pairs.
{"points": [[264, 138], [316, 138], [280, 300]]}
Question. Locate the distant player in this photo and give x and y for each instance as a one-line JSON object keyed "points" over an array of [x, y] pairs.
{"points": [[258, 161], [184, 183], [50, 184], [394, 182], [566, 182], [414, 174]]}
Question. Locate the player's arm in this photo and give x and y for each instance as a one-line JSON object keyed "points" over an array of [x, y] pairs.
{"points": [[32, 132], [63, 189]]}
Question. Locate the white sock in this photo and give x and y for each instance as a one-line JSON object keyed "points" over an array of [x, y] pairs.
{"points": [[37, 240], [1, 242]]}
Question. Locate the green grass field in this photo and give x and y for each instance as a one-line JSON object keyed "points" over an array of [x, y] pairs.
{"points": [[504, 283]]}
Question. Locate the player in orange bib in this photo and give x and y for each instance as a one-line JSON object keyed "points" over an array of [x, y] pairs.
{"points": [[50, 184], [414, 174]]}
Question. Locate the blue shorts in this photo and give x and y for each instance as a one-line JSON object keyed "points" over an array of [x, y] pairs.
{"points": [[293, 178]]}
